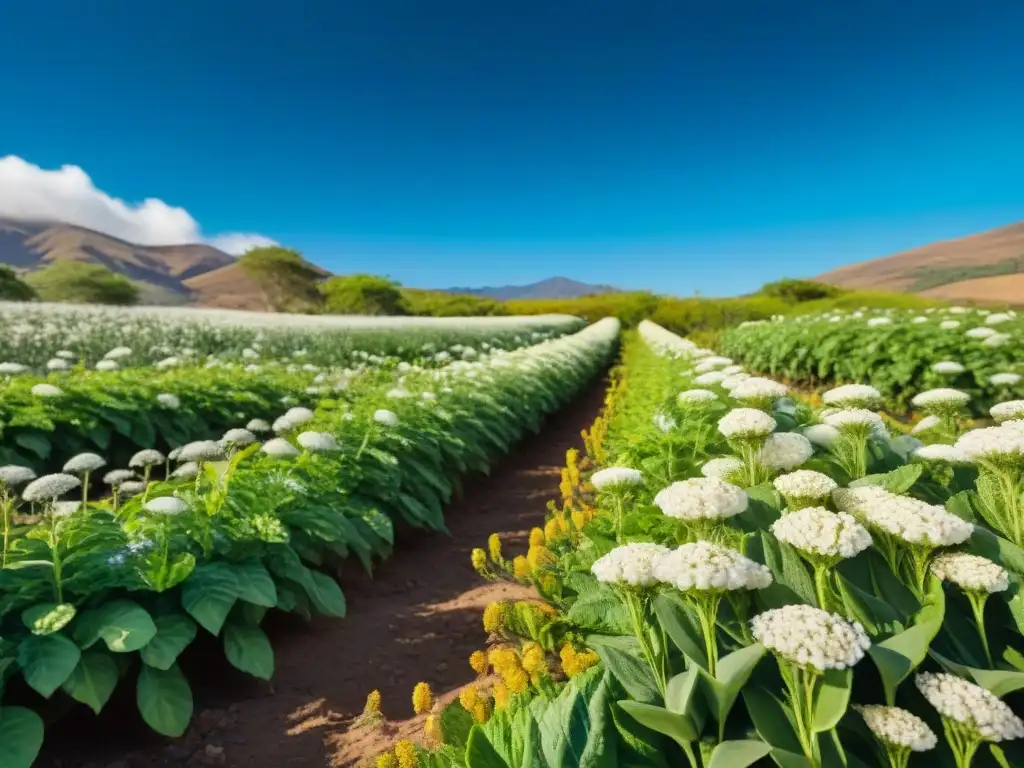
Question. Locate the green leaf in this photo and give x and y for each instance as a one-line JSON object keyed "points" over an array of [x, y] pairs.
{"points": [[255, 584], [678, 623], [93, 680], [34, 441], [209, 594], [788, 568], [326, 595], [900, 480], [678, 727], [456, 724], [633, 673], [480, 753], [174, 633], [738, 754], [47, 618], [771, 719], [731, 675], [833, 699], [248, 649], [46, 661], [164, 699], [125, 626], [21, 737]]}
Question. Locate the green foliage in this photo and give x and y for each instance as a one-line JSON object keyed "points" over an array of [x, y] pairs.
{"points": [[442, 304], [933, 277], [13, 288], [362, 295], [288, 282], [79, 282], [629, 308], [795, 291]]}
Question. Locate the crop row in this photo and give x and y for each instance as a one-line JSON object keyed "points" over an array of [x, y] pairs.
{"points": [[734, 578], [899, 352], [34, 335], [102, 593]]}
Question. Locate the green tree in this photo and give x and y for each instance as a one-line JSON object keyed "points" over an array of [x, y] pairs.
{"points": [[79, 282], [287, 281], [363, 295], [13, 288], [799, 290]]}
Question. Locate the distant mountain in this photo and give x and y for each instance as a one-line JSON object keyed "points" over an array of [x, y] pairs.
{"points": [[552, 288], [988, 266]]}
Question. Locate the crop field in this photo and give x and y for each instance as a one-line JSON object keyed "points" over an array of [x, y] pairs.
{"points": [[900, 352]]}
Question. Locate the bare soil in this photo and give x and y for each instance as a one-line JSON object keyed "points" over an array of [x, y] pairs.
{"points": [[418, 618]]}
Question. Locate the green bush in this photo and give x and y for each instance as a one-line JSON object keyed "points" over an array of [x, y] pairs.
{"points": [[13, 288], [78, 282], [440, 304], [799, 290], [363, 295]]}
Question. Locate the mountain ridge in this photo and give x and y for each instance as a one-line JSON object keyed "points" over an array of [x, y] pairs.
{"points": [[557, 287]]}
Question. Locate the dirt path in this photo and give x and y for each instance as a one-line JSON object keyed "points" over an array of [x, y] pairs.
{"points": [[419, 618]]}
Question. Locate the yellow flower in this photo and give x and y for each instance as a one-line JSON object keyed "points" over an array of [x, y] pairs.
{"points": [[533, 658], [574, 662], [502, 658], [372, 703], [547, 582], [494, 615], [479, 559], [387, 760], [536, 537], [407, 755], [538, 557], [481, 712], [432, 730], [520, 567], [494, 547], [552, 529], [478, 662], [468, 697], [516, 679], [422, 699], [501, 694]]}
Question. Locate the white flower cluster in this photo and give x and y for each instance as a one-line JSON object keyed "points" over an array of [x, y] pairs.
{"points": [[1004, 442], [1004, 379], [855, 420], [166, 505], [898, 727], [926, 424], [616, 477], [630, 564], [385, 417], [943, 398], [12, 475], [821, 533], [970, 705], [1012, 409], [318, 442], [785, 451], [758, 388], [913, 521], [709, 378], [805, 485], [701, 498], [971, 572], [664, 422], [50, 487], [821, 434], [147, 457], [811, 637], [940, 452], [722, 468], [705, 566], [746, 422], [238, 437], [201, 450], [696, 397], [852, 396], [279, 448], [948, 367], [84, 462]]}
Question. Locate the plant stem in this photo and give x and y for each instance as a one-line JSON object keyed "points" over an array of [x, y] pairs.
{"points": [[55, 553], [977, 601], [821, 586], [5, 502]]}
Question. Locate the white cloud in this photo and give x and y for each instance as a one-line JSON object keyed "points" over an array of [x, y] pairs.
{"points": [[68, 194]]}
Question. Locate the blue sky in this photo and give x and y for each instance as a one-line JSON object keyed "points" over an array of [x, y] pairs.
{"points": [[675, 145]]}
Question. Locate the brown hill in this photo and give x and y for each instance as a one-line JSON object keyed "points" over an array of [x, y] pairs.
{"points": [[228, 287], [982, 267]]}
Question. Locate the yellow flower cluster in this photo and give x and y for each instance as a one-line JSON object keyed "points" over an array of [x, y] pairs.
{"points": [[507, 664], [478, 662], [494, 616], [422, 699], [537, 537], [575, 662], [501, 695], [432, 730], [534, 660], [520, 568], [494, 548], [540, 557], [478, 706], [407, 755], [372, 703], [479, 559], [387, 760]]}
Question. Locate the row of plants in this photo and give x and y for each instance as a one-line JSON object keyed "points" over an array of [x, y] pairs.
{"points": [[735, 578], [35, 335], [899, 352], [94, 594]]}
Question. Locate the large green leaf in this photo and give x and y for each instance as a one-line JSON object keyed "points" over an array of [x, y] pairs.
{"points": [[248, 648], [47, 661], [209, 594], [731, 675], [480, 753], [164, 699], [47, 618], [21, 737], [255, 585], [174, 633], [833, 699], [632, 672], [678, 727], [122, 624], [899, 480], [93, 680], [771, 719], [738, 754], [679, 624]]}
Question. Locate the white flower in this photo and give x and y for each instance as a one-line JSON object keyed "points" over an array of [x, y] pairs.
{"points": [[12, 369], [616, 477], [1013, 409], [805, 485], [705, 566], [238, 436], [696, 397], [116, 477], [318, 442], [970, 705], [729, 383], [50, 487], [904, 445], [852, 396], [746, 422], [298, 415], [280, 448], [971, 572], [107, 365], [949, 325], [942, 398], [925, 424], [631, 564], [131, 488], [12, 475], [201, 450], [996, 340], [939, 452], [993, 443], [722, 467], [664, 422], [898, 727], [84, 462], [980, 333], [46, 390], [911, 520], [258, 425], [1005, 379], [64, 508], [146, 458], [186, 471], [919, 320], [811, 637], [857, 420], [785, 451], [707, 379], [283, 424], [165, 505], [117, 353], [821, 533], [57, 364], [876, 321], [948, 367], [385, 417], [821, 434], [758, 389], [169, 401], [701, 498], [996, 318]]}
